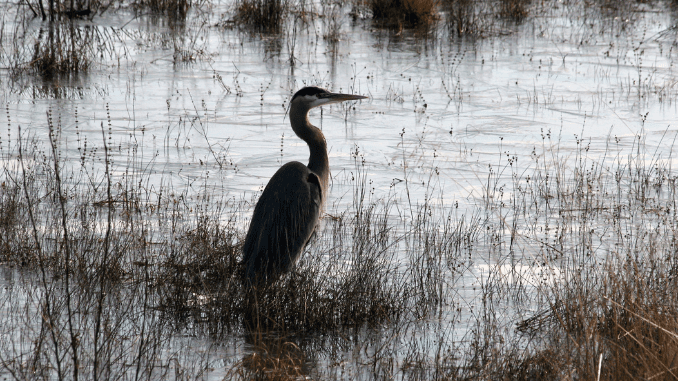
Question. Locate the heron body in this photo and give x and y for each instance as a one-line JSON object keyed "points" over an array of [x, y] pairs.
{"points": [[289, 209]]}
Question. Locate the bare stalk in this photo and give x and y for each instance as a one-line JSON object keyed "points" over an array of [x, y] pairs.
{"points": [[47, 318], [62, 203], [104, 261]]}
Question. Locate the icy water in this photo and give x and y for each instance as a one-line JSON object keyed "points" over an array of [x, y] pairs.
{"points": [[203, 107]]}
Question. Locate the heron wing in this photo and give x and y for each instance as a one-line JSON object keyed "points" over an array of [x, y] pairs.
{"points": [[284, 220]]}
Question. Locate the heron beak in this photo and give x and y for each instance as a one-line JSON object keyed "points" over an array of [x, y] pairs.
{"points": [[337, 97]]}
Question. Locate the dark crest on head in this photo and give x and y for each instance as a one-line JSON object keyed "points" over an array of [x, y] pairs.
{"points": [[310, 90]]}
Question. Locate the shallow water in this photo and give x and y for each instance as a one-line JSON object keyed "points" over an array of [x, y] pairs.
{"points": [[442, 111], [460, 103]]}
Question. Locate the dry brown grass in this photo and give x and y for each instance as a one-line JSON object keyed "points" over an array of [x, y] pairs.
{"points": [[613, 316]]}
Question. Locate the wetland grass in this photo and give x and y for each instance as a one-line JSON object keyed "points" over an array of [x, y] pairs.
{"points": [[115, 271], [263, 15], [62, 49], [66, 46], [480, 18], [404, 13], [174, 10], [52, 50], [611, 226], [515, 10], [55, 51], [464, 17], [107, 275], [114, 261]]}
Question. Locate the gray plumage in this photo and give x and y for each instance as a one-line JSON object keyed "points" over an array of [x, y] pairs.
{"points": [[288, 210]]}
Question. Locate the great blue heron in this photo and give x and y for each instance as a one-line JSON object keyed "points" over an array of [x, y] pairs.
{"points": [[288, 211]]}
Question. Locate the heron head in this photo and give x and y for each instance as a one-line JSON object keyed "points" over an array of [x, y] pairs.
{"points": [[312, 96]]}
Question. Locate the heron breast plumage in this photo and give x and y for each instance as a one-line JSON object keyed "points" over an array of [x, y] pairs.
{"points": [[284, 220]]}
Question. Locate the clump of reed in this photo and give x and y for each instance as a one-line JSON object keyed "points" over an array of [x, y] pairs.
{"points": [[62, 49], [263, 15], [54, 51], [56, 9], [404, 13], [71, 9], [479, 18], [464, 17], [515, 10], [175, 10], [65, 46]]}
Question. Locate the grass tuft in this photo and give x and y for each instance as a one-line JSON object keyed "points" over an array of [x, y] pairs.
{"points": [[515, 10], [263, 15], [404, 13]]}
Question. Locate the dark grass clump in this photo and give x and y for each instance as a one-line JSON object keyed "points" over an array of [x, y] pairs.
{"points": [[59, 10], [175, 10], [480, 18], [200, 276], [514, 10], [62, 48], [14, 238], [351, 282], [55, 51], [404, 13], [262, 15], [464, 17], [67, 46], [56, 9]]}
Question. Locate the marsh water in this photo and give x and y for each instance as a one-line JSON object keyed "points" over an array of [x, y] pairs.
{"points": [[200, 107]]}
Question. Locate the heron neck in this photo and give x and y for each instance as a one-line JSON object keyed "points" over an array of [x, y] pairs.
{"points": [[318, 161]]}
